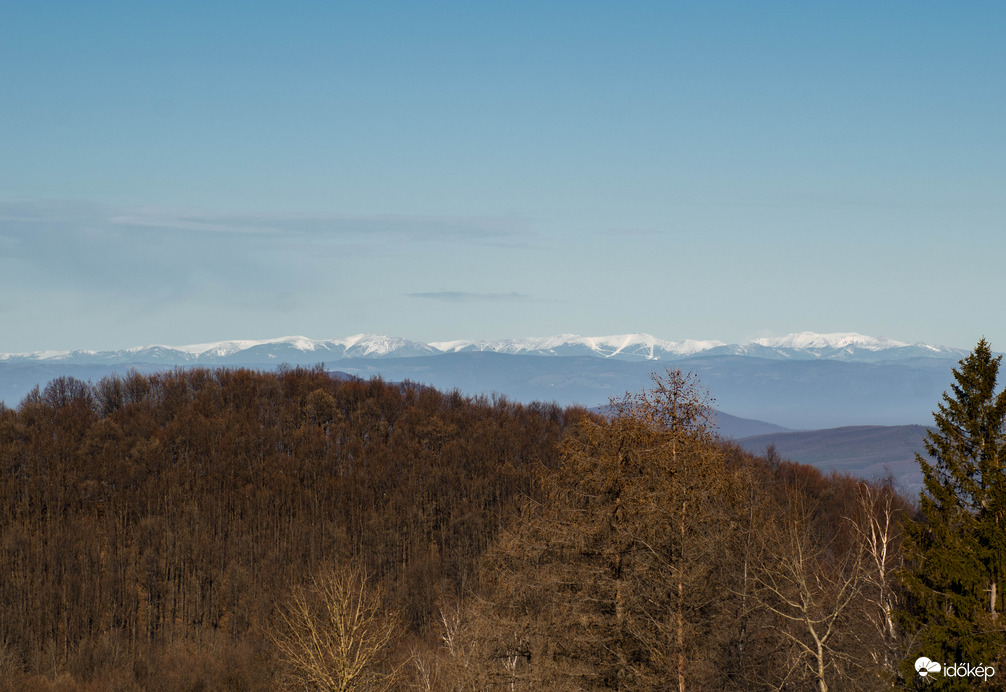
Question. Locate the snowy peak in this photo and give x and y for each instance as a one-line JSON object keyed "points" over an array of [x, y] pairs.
{"points": [[626, 346], [221, 349], [374, 346], [804, 340], [848, 346]]}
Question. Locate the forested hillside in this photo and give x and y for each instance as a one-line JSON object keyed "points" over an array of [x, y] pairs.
{"points": [[222, 529]]}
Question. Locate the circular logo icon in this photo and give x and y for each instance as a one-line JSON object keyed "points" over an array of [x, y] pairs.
{"points": [[926, 666]]}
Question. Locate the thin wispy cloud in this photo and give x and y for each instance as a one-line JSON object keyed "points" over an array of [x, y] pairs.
{"points": [[468, 297], [334, 227], [164, 251], [75, 218]]}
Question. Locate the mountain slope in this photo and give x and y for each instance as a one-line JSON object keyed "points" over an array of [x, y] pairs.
{"points": [[735, 427], [864, 451]]}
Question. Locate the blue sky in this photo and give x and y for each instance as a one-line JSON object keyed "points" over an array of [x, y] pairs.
{"points": [[185, 172]]}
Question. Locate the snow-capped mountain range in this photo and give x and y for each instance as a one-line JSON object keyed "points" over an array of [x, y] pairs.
{"points": [[844, 346]]}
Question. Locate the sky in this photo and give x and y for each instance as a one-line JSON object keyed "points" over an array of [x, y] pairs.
{"points": [[187, 172]]}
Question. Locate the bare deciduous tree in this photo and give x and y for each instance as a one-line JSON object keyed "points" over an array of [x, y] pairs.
{"points": [[334, 634], [878, 533], [812, 590]]}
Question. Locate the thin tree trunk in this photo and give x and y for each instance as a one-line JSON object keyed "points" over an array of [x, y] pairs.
{"points": [[616, 521], [822, 685], [681, 608], [992, 601]]}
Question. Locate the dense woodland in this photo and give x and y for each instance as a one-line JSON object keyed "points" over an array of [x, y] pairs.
{"points": [[236, 530]]}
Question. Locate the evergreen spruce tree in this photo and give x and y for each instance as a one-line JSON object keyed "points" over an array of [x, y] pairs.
{"points": [[956, 553]]}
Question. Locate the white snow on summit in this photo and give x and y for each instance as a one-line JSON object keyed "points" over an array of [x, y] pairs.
{"points": [[226, 348], [360, 344], [624, 342], [35, 355], [376, 345], [803, 340], [636, 345]]}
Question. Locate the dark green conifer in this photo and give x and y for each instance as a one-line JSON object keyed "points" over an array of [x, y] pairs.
{"points": [[956, 552]]}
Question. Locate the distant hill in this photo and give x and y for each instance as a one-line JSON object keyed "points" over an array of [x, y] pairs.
{"points": [[734, 428], [866, 451]]}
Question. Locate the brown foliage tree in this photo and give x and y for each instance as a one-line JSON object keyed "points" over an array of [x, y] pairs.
{"points": [[614, 580]]}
